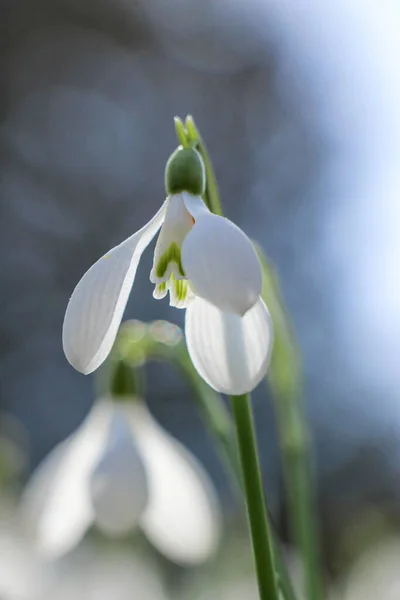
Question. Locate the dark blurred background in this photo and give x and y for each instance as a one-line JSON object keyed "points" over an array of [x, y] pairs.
{"points": [[299, 103]]}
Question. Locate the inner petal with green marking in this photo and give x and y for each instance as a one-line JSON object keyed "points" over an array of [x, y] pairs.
{"points": [[179, 290], [167, 273], [169, 262]]}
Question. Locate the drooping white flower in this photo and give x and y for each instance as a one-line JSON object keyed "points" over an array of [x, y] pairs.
{"points": [[120, 470], [204, 261]]}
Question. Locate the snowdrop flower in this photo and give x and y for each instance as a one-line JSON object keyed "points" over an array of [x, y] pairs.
{"points": [[208, 266], [120, 470]]}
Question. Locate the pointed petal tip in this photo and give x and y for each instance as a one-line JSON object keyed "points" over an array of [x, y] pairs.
{"points": [[80, 364], [77, 363]]}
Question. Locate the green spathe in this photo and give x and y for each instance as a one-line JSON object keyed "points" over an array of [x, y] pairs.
{"points": [[185, 172]]}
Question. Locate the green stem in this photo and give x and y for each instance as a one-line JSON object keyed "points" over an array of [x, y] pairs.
{"points": [[212, 195], [255, 501], [215, 415], [224, 441], [295, 448], [285, 381], [218, 422]]}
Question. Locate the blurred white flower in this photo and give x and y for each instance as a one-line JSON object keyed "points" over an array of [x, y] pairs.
{"points": [[121, 470], [208, 265], [23, 575], [375, 574], [93, 573]]}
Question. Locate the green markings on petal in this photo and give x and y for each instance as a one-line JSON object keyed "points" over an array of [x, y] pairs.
{"points": [[173, 254], [162, 287], [179, 290], [169, 267]]}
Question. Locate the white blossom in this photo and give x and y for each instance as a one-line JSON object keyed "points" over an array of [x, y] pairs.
{"points": [[121, 470], [208, 265]]}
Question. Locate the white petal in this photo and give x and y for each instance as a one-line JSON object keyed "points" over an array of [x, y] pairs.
{"points": [[229, 352], [56, 504], [98, 302], [221, 264], [118, 482], [195, 205], [182, 518]]}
